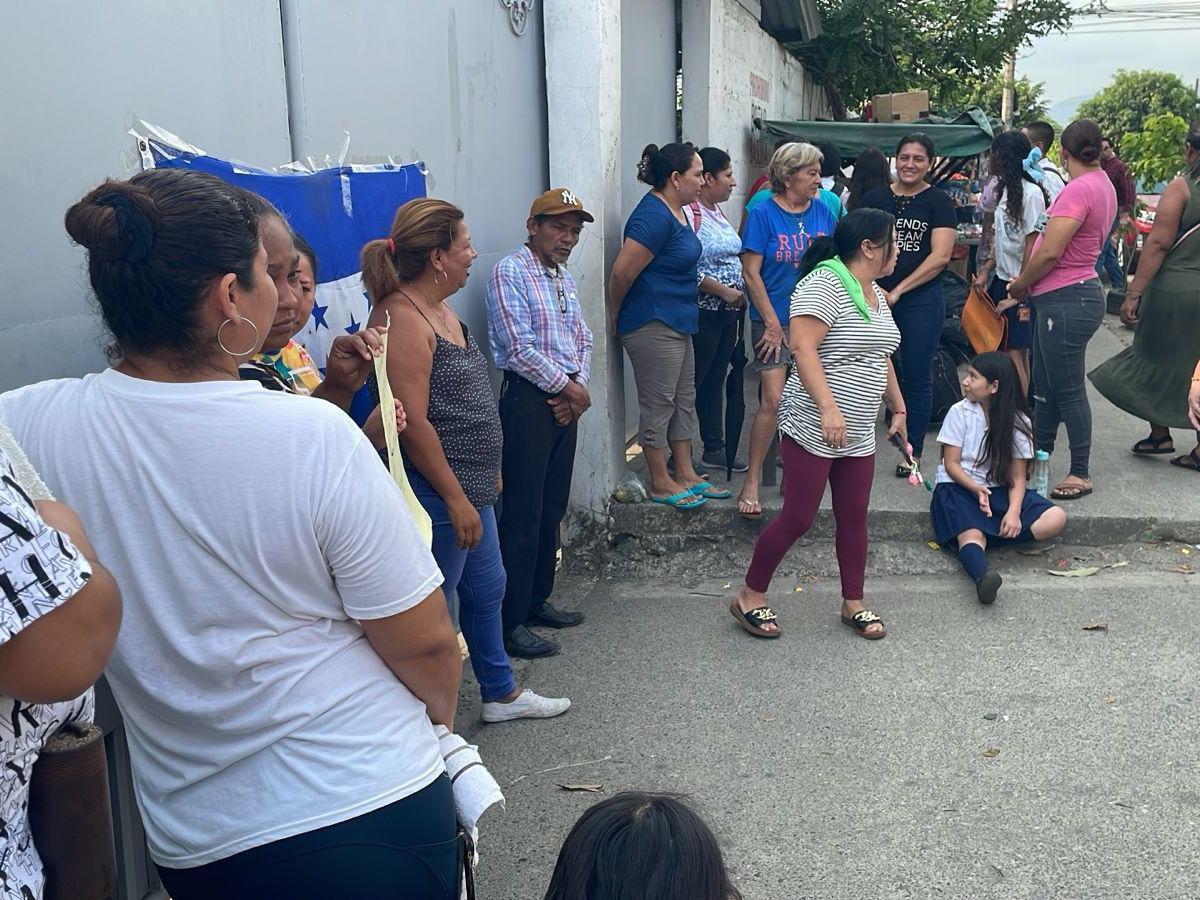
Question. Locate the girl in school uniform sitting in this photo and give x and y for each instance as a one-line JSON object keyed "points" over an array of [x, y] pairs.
{"points": [[982, 496]]}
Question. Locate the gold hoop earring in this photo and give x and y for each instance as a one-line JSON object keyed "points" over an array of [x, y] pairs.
{"points": [[221, 343], [445, 277]]}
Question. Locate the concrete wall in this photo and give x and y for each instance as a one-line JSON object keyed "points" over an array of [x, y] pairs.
{"points": [[734, 71], [448, 83], [75, 76], [648, 98]]}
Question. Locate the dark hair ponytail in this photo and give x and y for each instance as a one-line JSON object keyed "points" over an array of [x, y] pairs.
{"points": [[1193, 139], [658, 164], [155, 244], [918, 137], [715, 160], [1008, 414], [641, 845], [1082, 139], [1008, 154], [865, 224]]}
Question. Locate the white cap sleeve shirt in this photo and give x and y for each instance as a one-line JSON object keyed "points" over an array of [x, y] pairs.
{"points": [[965, 426], [854, 356], [248, 530]]}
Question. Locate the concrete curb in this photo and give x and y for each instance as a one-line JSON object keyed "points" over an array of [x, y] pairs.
{"points": [[718, 523]]}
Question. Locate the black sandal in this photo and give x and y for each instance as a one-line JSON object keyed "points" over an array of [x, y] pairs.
{"points": [[862, 620], [1189, 461], [754, 620], [902, 471], [1153, 446]]}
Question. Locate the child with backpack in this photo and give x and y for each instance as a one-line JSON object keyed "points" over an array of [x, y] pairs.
{"points": [[982, 495]]}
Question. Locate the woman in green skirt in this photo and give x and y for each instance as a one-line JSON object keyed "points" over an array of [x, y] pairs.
{"points": [[1151, 379]]}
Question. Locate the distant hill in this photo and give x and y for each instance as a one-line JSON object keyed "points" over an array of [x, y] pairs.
{"points": [[1064, 111]]}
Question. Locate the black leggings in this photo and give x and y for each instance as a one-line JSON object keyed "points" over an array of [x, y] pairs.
{"points": [[406, 849]]}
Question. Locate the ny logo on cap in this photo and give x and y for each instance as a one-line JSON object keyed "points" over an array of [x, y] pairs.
{"points": [[570, 199]]}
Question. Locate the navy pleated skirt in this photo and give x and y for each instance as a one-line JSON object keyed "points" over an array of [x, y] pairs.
{"points": [[955, 509]]}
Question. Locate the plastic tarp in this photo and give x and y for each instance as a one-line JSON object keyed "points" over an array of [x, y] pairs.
{"points": [[967, 135]]}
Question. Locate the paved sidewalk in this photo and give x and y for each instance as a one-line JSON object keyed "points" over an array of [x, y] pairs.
{"points": [[1136, 498]]}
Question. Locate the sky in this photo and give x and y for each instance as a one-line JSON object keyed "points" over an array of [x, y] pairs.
{"points": [[1074, 67]]}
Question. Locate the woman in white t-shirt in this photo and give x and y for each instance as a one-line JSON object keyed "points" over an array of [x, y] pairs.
{"points": [[286, 647], [842, 337], [982, 496], [1020, 216]]}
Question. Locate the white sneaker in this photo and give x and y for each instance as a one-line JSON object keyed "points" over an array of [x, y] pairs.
{"points": [[528, 705]]}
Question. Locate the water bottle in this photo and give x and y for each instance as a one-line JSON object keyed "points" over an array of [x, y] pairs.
{"points": [[1041, 472]]}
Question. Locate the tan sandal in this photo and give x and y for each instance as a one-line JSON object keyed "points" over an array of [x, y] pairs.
{"points": [[749, 509]]}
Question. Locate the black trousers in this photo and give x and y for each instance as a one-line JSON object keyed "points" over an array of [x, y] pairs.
{"points": [[539, 456], [713, 344], [409, 848]]}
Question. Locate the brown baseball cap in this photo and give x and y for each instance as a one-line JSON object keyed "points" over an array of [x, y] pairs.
{"points": [[556, 202]]}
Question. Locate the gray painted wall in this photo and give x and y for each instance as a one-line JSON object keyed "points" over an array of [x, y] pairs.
{"points": [[648, 63], [75, 75], [448, 83], [445, 82]]}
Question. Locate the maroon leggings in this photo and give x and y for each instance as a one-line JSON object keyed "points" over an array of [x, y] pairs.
{"points": [[805, 475]]}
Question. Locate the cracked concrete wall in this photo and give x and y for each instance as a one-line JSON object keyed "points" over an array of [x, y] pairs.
{"points": [[733, 71]]}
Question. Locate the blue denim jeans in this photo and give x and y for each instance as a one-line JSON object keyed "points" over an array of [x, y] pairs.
{"points": [[1066, 319], [478, 577], [919, 315], [1108, 264]]}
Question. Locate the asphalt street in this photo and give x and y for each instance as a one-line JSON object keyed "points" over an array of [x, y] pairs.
{"points": [[999, 752]]}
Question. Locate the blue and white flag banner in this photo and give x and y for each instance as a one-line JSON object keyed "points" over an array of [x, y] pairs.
{"points": [[337, 208]]}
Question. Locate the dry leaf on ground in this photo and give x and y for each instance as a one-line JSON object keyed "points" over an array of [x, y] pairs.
{"points": [[1096, 626], [991, 752], [1075, 573], [586, 788]]}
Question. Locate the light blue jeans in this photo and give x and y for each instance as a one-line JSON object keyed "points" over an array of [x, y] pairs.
{"points": [[478, 577]]}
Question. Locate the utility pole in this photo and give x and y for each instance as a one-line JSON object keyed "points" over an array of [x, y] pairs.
{"points": [[1010, 76]]}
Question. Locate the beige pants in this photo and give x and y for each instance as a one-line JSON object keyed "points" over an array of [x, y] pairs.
{"points": [[664, 369]]}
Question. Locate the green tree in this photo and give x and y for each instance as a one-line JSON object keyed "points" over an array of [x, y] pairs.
{"points": [[876, 46], [987, 94], [1133, 97], [1156, 153]]}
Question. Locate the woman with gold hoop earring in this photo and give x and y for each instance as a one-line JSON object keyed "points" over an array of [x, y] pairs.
{"points": [[285, 649], [453, 441]]}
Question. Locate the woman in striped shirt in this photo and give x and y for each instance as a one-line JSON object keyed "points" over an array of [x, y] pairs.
{"points": [[842, 337]]}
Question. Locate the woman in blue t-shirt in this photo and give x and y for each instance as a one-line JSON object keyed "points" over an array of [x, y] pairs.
{"points": [[652, 292], [776, 235], [926, 225]]}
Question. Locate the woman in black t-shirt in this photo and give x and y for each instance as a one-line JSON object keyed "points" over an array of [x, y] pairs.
{"points": [[926, 224]]}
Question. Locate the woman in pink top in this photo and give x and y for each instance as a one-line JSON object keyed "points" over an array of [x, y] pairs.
{"points": [[1060, 280]]}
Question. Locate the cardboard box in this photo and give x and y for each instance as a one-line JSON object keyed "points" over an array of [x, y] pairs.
{"points": [[906, 107]]}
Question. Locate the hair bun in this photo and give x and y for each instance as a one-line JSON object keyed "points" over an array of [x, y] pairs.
{"points": [[646, 164], [115, 221]]}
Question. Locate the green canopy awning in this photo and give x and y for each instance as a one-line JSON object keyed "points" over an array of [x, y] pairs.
{"points": [[968, 134]]}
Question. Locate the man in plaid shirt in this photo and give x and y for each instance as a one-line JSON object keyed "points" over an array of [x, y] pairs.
{"points": [[544, 347]]}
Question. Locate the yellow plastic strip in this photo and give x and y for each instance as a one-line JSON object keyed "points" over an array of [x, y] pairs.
{"points": [[391, 435]]}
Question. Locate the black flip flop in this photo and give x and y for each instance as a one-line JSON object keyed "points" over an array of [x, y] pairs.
{"points": [[1188, 461], [863, 619], [1153, 446], [1071, 492], [754, 620]]}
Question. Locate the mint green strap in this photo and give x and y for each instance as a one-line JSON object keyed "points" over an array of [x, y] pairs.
{"points": [[849, 282]]}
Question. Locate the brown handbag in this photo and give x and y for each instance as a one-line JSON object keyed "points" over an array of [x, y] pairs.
{"points": [[984, 327], [69, 815]]}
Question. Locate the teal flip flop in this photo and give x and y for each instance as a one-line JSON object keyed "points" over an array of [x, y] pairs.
{"points": [[676, 500], [709, 491]]}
